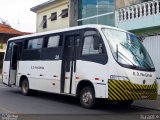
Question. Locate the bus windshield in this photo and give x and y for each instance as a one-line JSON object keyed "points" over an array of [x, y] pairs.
{"points": [[128, 50]]}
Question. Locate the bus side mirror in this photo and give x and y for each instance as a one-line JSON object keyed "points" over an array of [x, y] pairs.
{"points": [[96, 42]]}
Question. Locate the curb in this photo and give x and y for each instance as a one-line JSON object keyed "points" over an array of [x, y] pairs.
{"points": [[156, 109]]}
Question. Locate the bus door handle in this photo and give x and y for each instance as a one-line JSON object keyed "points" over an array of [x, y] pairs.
{"points": [[4, 72], [28, 74], [55, 76], [41, 75], [67, 78]]}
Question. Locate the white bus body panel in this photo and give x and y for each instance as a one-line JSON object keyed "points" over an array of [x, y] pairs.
{"points": [[67, 82], [5, 73], [87, 70], [137, 77], [12, 77], [42, 75]]}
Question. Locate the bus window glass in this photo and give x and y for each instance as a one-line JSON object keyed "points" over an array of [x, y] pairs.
{"points": [[29, 44], [90, 33], [35, 43], [39, 43], [53, 41], [10, 46], [128, 50], [88, 47]]}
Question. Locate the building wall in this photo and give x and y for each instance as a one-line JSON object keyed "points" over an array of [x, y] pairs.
{"points": [[124, 3], [140, 23], [80, 12], [152, 43], [56, 24]]}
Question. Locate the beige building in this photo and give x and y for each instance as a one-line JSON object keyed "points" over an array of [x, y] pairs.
{"points": [[53, 14], [56, 14]]}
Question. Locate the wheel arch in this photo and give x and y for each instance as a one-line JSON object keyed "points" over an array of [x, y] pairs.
{"points": [[82, 84], [23, 77]]}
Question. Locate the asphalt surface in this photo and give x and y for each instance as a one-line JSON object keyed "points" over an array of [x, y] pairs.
{"points": [[46, 106]]}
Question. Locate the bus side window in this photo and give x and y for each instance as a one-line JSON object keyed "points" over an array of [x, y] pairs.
{"points": [[9, 51], [10, 46], [92, 45], [93, 48], [35, 43], [32, 49], [52, 48], [53, 41]]}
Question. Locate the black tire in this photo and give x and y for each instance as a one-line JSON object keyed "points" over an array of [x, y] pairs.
{"points": [[25, 87], [87, 97], [125, 103]]}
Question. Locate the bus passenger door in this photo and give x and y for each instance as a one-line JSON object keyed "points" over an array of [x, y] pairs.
{"points": [[69, 63], [13, 65]]}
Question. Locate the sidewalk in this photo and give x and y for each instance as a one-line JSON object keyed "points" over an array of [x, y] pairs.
{"points": [[150, 104]]}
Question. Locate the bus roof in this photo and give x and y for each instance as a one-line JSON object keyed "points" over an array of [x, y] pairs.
{"points": [[97, 26]]}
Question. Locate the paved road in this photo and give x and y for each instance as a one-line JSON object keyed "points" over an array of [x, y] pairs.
{"points": [[44, 106]]}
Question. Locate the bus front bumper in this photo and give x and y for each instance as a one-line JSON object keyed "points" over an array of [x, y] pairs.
{"points": [[125, 90]]}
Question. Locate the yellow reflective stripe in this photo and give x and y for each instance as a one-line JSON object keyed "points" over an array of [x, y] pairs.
{"points": [[129, 95], [125, 90], [114, 96], [111, 96], [114, 89], [121, 90]]}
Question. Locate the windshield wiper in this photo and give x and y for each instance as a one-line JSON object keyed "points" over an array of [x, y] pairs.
{"points": [[134, 66], [131, 52], [137, 57]]}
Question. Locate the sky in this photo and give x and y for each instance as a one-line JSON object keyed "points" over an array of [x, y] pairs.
{"points": [[17, 13]]}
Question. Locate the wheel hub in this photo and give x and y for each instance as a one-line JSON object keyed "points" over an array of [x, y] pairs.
{"points": [[87, 97], [25, 87]]}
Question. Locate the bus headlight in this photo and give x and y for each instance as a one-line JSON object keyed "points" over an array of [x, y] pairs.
{"points": [[115, 77]]}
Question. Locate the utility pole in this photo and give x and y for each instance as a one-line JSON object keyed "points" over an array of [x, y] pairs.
{"points": [[73, 12]]}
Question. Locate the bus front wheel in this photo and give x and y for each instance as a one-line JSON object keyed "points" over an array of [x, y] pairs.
{"points": [[87, 97], [25, 87]]}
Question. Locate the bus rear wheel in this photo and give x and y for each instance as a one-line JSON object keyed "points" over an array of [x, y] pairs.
{"points": [[25, 87], [87, 97]]}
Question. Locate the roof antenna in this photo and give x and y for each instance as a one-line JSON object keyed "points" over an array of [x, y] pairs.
{"points": [[18, 23], [5, 22]]}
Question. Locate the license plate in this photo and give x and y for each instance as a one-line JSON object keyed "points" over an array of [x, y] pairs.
{"points": [[144, 96]]}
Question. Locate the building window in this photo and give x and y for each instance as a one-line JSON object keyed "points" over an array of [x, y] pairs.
{"points": [[53, 16], [64, 13], [44, 22], [96, 12]]}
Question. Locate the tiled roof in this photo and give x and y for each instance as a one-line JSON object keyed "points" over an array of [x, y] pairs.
{"points": [[9, 30]]}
